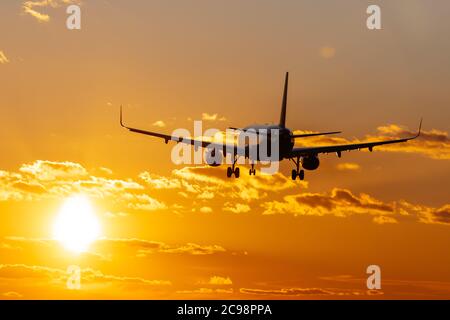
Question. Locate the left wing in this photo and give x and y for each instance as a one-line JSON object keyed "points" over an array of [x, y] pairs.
{"points": [[307, 151], [225, 148]]}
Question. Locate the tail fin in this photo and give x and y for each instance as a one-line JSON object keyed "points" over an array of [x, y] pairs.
{"points": [[284, 103]]}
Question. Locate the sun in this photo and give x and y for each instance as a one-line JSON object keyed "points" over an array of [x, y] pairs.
{"points": [[76, 225]]}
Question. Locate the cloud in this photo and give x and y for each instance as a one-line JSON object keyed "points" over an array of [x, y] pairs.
{"points": [[114, 215], [434, 144], [106, 247], [236, 208], [247, 188], [348, 166], [286, 291], [220, 281], [3, 58], [206, 195], [384, 220], [416, 287], [340, 202], [195, 249], [12, 294], [159, 182], [295, 292], [142, 202], [212, 117], [206, 291], [205, 210], [50, 179], [144, 248], [433, 215], [159, 124], [51, 170], [47, 179], [29, 7], [343, 203], [59, 277]]}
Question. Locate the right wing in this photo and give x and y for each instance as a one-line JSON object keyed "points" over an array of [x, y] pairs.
{"points": [[225, 148], [308, 151]]}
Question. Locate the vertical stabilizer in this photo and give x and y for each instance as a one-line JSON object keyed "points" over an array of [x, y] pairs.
{"points": [[284, 103]]}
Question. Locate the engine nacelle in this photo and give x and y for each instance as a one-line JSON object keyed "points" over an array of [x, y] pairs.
{"points": [[310, 163], [213, 157]]}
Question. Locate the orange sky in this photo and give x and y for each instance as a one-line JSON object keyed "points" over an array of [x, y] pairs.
{"points": [[171, 231]]}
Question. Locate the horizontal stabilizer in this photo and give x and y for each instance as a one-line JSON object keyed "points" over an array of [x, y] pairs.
{"points": [[304, 135]]}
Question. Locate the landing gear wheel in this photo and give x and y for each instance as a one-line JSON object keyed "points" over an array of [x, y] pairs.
{"points": [[294, 174], [254, 172], [236, 172], [302, 174], [229, 172], [250, 172]]}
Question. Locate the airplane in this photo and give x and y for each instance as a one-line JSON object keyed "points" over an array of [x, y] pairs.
{"points": [[306, 157]]}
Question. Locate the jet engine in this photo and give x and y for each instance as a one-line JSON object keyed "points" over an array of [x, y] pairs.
{"points": [[213, 157], [310, 162]]}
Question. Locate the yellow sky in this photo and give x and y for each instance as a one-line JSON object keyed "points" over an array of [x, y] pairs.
{"points": [[171, 231]]}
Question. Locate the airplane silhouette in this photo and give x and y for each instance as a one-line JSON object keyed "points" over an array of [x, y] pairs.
{"points": [[307, 157]]}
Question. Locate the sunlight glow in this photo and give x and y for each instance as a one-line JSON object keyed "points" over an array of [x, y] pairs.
{"points": [[76, 225]]}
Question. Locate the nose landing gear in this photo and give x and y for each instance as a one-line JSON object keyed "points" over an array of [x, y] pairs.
{"points": [[252, 170]]}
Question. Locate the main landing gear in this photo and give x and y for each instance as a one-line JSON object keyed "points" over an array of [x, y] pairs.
{"points": [[298, 173], [233, 170]]}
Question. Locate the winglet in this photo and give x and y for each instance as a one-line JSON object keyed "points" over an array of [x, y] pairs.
{"points": [[420, 128], [418, 131], [121, 118]]}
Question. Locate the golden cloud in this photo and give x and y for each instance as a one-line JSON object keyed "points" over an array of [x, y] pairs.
{"points": [[205, 210], [12, 295], [247, 188], [159, 124], [220, 281], [59, 277], [3, 58], [339, 202], [51, 170], [236, 208], [212, 117], [42, 179], [145, 247], [295, 292], [419, 287], [104, 248], [29, 7], [286, 292], [343, 203], [206, 291], [47, 179]]}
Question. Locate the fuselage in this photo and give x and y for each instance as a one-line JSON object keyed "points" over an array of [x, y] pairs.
{"points": [[270, 134]]}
